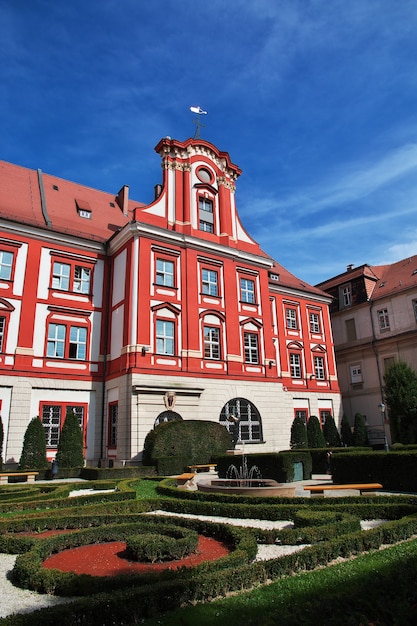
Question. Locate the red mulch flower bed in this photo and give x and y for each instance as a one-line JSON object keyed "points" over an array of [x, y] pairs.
{"points": [[109, 559]]}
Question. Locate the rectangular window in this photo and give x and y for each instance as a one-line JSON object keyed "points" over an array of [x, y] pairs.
{"points": [[251, 348], [206, 217], [319, 368], [164, 272], [67, 277], [52, 420], [78, 343], [356, 374], [350, 329], [314, 322], [324, 414], [165, 340], [210, 282], [302, 414], [247, 290], [113, 418], [2, 332], [291, 317], [345, 296], [211, 342], [57, 342], [295, 365], [82, 279], [383, 319], [6, 265], [415, 309]]}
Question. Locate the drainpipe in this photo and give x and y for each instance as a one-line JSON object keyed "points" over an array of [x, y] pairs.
{"points": [[374, 348], [105, 346]]}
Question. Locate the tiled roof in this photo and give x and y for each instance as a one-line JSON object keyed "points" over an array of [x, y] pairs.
{"points": [[20, 201], [380, 280], [286, 279]]}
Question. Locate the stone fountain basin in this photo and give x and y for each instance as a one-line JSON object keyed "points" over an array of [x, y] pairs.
{"points": [[248, 487]]}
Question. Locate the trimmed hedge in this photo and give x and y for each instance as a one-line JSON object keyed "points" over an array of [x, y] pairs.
{"points": [[396, 471]]}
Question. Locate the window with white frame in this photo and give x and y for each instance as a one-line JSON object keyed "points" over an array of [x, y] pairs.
{"points": [[301, 414], [319, 369], [211, 342], [6, 265], [291, 317], [415, 309], [383, 319], [247, 290], [210, 282], [164, 273], [165, 337], [52, 420], [71, 277], [345, 296], [314, 322], [251, 347], [67, 342], [295, 365], [356, 373], [206, 217], [112, 428]]}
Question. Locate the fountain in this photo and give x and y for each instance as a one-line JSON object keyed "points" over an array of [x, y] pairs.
{"points": [[244, 481]]}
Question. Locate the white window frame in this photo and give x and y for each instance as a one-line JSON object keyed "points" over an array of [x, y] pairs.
{"points": [[210, 282], [295, 365], [319, 367], [251, 345], [212, 347], [165, 273], [345, 296], [165, 337], [314, 319], [6, 264], [57, 346], [383, 319], [247, 290], [291, 318]]}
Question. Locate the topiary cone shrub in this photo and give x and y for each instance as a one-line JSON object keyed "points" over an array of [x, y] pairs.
{"points": [[197, 441], [298, 434], [315, 434], [34, 447], [70, 447]]}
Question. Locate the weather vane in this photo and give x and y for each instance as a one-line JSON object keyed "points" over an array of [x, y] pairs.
{"points": [[199, 111]]}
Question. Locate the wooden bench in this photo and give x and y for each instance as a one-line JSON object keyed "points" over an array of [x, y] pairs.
{"points": [[208, 467], [30, 476], [319, 490], [184, 478]]}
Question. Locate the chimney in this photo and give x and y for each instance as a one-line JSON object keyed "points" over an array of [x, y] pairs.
{"points": [[122, 199], [350, 267]]}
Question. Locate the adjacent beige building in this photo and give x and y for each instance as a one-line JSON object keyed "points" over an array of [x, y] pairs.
{"points": [[374, 321]]}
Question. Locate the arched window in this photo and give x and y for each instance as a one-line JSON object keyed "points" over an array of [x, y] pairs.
{"points": [[243, 420], [167, 416]]}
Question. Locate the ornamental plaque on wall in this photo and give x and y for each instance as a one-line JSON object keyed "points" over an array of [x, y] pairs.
{"points": [[169, 400]]}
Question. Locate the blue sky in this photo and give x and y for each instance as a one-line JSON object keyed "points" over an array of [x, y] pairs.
{"points": [[316, 100]]}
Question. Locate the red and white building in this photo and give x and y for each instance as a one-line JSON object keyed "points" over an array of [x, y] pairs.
{"points": [[132, 314]]}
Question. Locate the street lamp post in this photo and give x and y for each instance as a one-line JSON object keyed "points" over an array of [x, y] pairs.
{"points": [[382, 409]]}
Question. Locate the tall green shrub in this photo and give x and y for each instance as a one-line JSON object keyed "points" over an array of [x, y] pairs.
{"points": [[330, 432], [70, 447], [34, 447], [360, 438], [298, 434], [346, 432], [315, 435], [401, 397]]}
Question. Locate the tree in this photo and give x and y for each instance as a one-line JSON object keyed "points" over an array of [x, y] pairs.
{"points": [[346, 432], [330, 432], [315, 435], [70, 447], [360, 438], [1, 443], [34, 447], [401, 398], [298, 434]]}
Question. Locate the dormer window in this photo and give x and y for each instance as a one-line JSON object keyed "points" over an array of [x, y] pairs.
{"points": [[205, 214]]}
